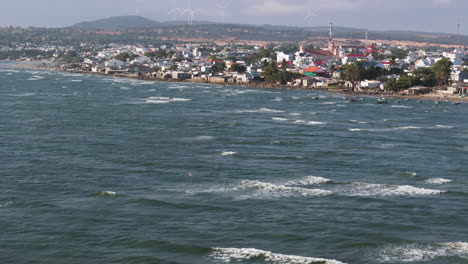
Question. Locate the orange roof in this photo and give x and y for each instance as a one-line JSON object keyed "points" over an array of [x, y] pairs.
{"points": [[315, 69]]}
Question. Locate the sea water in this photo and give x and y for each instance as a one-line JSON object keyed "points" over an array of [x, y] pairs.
{"points": [[111, 170]]}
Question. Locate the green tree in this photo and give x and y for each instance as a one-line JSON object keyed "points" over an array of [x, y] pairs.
{"points": [[122, 56], [218, 67], [353, 72], [442, 70], [173, 67]]}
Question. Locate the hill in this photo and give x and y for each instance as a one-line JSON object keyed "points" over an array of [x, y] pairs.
{"points": [[115, 23]]}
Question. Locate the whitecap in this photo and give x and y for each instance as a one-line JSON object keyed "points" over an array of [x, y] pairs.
{"points": [[422, 252], [269, 190], [261, 110], [361, 189], [406, 128], [437, 181], [277, 99], [355, 129], [295, 114], [401, 106], [164, 100], [443, 126], [228, 153], [108, 193], [76, 80], [328, 103], [279, 119], [410, 173], [204, 138], [228, 255], [308, 180], [310, 123]]}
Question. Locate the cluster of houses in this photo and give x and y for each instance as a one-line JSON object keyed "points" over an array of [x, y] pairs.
{"points": [[200, 63]]}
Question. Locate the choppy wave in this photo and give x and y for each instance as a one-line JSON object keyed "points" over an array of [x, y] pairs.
{"points": [[443, 126], [236, 255], [270, 190], [402, 106], [383, 190], [204, 138], [277, 99], [228, 153], [279, 119], [108, 193], [164, 100], [422, 252], [261, 110], [355, 129], [308, 180], [309, 123], [437, 181]]}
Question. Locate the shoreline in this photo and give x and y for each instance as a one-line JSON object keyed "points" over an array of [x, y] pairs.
{"points": [[36, 65]]}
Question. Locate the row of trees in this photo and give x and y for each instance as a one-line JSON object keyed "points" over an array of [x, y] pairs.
{"points": [[438, 75]]}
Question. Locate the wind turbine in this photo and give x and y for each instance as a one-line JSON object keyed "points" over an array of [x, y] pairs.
{"points": [[174, 10], [223, 4], [309, 17], [189, 11]]}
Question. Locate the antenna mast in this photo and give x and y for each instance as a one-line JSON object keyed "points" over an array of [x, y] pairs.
{"points": [[458, 32]]}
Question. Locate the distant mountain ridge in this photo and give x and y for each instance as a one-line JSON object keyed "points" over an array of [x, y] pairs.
{"points": [[120, 22], [212, 31]]}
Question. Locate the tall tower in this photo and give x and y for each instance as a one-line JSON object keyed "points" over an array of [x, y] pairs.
{"points": [[331, 44], [458, 32]]}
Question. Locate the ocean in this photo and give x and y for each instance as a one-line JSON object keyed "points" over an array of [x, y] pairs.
{"points": [[111, 170]]}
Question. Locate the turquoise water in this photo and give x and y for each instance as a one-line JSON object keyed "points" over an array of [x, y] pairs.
{"points": [[107, 170]]}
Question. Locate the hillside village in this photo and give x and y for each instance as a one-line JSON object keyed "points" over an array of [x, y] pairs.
{"points": [[363, 67]]}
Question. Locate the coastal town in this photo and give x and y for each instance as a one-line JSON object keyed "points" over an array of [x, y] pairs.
{"points": [[364, 66]]}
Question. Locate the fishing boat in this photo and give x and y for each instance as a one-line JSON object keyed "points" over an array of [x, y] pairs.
{"points": [[382, 101]]}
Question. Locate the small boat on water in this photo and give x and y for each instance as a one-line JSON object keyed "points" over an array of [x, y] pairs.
{"points": [[315, 97], [382, 101], [353, 99]]}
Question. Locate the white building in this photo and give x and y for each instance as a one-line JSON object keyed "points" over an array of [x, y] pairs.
{"points": [[280, 56]]}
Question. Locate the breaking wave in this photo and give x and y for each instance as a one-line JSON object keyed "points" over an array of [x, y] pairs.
{"points": [[382, 190], [228, 153], [265, 190], [261, 110], [437, 181], [164, 100], [422, 252], [229, 255]]}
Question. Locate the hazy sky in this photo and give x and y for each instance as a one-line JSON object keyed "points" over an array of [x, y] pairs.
{"points": [[423, 15]]}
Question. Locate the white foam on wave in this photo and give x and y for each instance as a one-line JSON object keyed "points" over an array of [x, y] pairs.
{"points": [[228, 255], [277, 99], [437, 181], [328, 103], [279, 119], [406, 128], [410, 173], [362, 189], [164, 100], [295, 114], [355, 129], [108, 193], [270, 190], [76, 80], [309, 123], [204, 138], [401, 106], [443, 126], [421, 252], [308, 180], [228, 153], [261, 110]]}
